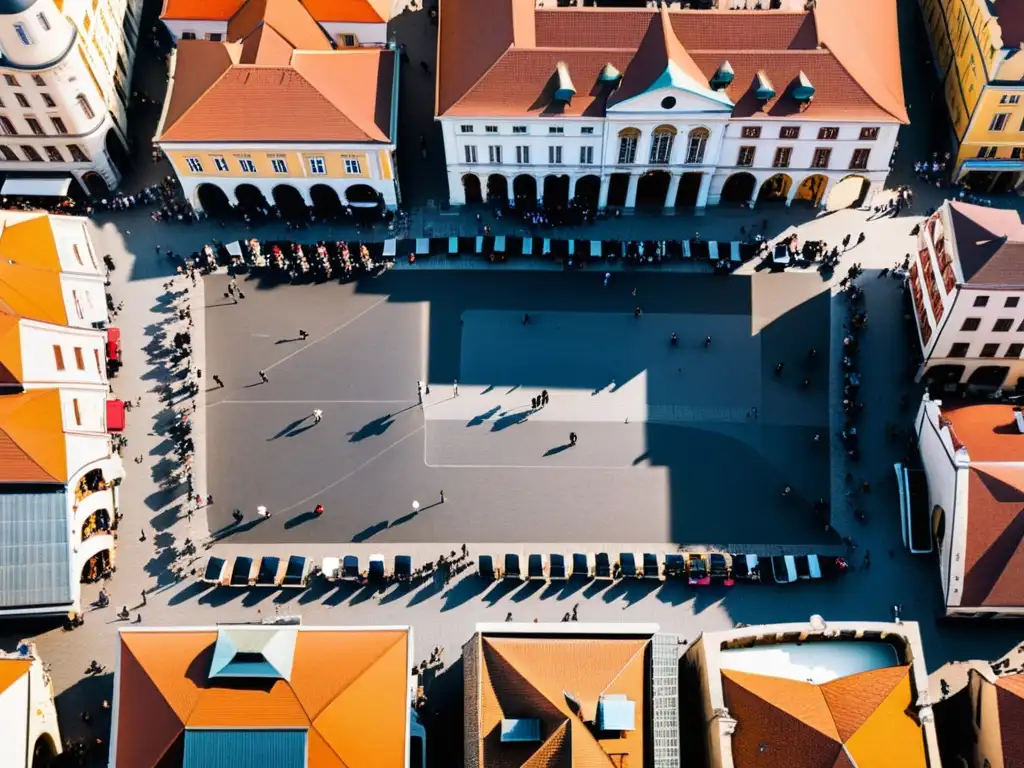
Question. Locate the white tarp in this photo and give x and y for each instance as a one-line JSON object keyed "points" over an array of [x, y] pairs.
{"points": [[27, 185]]}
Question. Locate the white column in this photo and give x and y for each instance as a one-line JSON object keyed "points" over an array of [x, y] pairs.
{"points": [[306, 196], [793, 187], [753, 195], [673, 191], [509, 184], [634, 180], [456, 192], [572, 186], [602, 198], [824, 193], [705, 188]]}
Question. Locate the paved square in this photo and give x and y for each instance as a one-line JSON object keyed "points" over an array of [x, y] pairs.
{"points": [[669, 446]]}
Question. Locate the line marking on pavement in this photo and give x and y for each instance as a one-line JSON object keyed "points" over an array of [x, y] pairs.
{"points": [[531, 466], [342, 479], [327, 335], [312, 402]]}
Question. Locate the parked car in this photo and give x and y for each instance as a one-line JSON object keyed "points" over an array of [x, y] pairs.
{"points": [[784, 569], [512, 568], [720, 568], [652, 569], [627, 565], [807, 567], [697, 569], [602, 566], [536, 568], [296, 572], [556, 571], [746, 567], [403, 567], [582, 565], [216, 571], [485, 568], [269, 573], [675, 566]]}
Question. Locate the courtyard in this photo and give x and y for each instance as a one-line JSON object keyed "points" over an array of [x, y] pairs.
{"points": [[665, 431]]}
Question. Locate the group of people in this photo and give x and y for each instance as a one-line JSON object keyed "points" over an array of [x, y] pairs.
{"points": [[932, 171]]}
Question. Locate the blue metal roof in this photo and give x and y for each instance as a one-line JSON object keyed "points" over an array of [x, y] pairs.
{"points": [[245, 748], [616, 713], [35, 554]]}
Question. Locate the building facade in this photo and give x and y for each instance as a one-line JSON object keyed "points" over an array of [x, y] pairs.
{"points": [[66, 70], [330, 141], [666, 109], [967, 286], [30, 732]]}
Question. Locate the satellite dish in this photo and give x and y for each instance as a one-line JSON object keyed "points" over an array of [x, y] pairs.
{"points": [[818, 623]]}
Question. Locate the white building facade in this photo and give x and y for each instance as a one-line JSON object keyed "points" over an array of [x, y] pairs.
{"points": [[66, 75]]}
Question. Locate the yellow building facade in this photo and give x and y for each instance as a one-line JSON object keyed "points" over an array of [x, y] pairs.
{"points": [[980, 63]]}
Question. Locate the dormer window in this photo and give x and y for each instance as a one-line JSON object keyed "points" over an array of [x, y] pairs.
{"points": [[763, 88], [803, 90], [564, 89], [723, 77], [22, 33]]}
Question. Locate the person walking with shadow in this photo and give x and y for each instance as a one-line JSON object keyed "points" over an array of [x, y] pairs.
{"points": [[572, 438], [846, 242], [218, 381], [317, 416], [303, 334], [544, 397], [442, 496], [263, 377]]}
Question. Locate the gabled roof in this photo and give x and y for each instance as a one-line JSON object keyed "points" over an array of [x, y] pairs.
{"points": [[288, 18], [989, 244], [858, 720], [347, 689], [30, 270], [353, 11], [32, 446], [10, 350], [1010, 703], [993, 556], [495, 56]]}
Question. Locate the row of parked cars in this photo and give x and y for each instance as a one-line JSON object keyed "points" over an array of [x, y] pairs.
{"points": [[698, 568], [293, 572]]}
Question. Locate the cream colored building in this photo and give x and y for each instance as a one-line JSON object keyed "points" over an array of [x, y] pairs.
{"points": [[66, 78], [29, 732]]}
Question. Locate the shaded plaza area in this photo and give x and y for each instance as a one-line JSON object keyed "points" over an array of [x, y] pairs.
{"points": [[682, 444]]}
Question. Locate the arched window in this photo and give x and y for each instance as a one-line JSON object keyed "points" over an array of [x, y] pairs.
{"points": [[661, 144], [86, 108], [628, 138], [696, 143]]}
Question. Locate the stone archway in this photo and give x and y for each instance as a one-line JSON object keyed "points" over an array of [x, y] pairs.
{"points": [[362, 196], [116, 151], [812, 189], [213, 200], [249, 197], [987, 378], [524, 188], [497, 188], [44, 751], [652, 189], [556, 191], [848, 193], [471, 187], [95, 185], [588, 191], [775, 189], [739, 188], [289, 202], [326, 201]]}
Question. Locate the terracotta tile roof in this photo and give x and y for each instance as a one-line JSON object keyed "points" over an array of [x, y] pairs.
{"points": [[286, 17], [32, 446], [859, 719], [989, 244], [164, 675], [356, 11], [10, 350], [993, 556], [987, 430], [507, 71], [532, 677], [1010, 702], [12, 670], [30, 285]]}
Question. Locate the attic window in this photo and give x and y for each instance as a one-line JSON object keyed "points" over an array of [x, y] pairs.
{"points": [[609, 74], [723, 76], [668, 102], [803, 89], [764, 89]]}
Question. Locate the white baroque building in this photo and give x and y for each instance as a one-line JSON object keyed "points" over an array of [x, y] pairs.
{"points": [[667, 108], [66, 79]]}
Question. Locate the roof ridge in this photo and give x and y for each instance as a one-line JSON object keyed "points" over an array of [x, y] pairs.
{"points": [[368, 135], [480, 79], [642, 649], [399, 638]]}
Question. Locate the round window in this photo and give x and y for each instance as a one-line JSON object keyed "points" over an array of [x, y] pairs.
{"points": [[668, 102]]}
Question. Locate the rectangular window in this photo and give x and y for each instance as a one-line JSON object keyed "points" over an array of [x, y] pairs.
{"points": [[627, 150], [1015, 153], [194, 164], [821, 158], [247, 165], [278, 165], [999, 121], [34, 126], [78, 311], [586, 155], [48, 100], [22, 101], [661, 147], [53, 155], [959, 349], [490, 129], [1014, 350], [348, 41], [7, 126], [58, 357], [751, 132], [971, 324], [219, 163], [1011, 302], [96, 357], [8, 153], [789, 132], [354, 168], [828, 134], [58, 125], [22, 34], [43, 21], [184, 35], [745, 159], [587, 130], [781, 159], [981, 301], [518, 129], [31, 154], [982, 151], [78, 255], [494, 154], [213, 37], [868, 134], [470, 151], [466, 128], [556, 129], [1002, 325], [83, 104], [77, 154], [11, 80], [523, 155], [859, 161], [316, 166], [78, 413], [989, 350], [79, 359], [38, 80], [554, 155]]}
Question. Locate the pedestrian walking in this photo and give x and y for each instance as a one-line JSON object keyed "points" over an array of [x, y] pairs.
{"points": [[707, 342], [138, 618], [575, 612], [860, 238], [139, 459], [237, 515], [318, 510], [572, 438], [209, 499], [317, 416], [143, 597], [455, 388], [846, 242], [787, 490], [778, 369], [143, 536], [425, 67], [218, 381], [544, 397], [442, 496], [607, 277], [637, 312], [867, 559], [188, 514], [303, 334], [419, 391], [508, 616], [533, 403], [263, 377]]}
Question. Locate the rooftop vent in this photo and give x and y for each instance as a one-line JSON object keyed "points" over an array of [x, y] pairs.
{"points": [[803, 90], [723, 77], [609, 74], [616, 713], [256, 652], [520, 730], [764, 89], [565, 89], [1018, 419]]}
